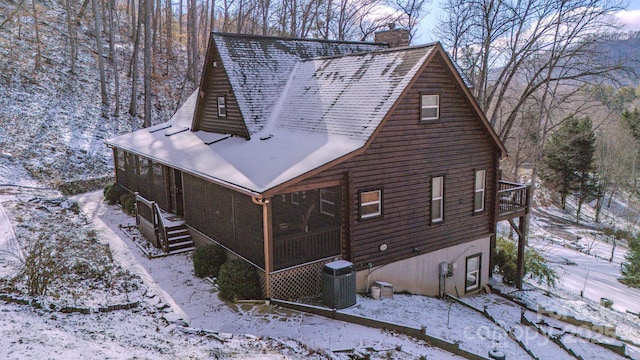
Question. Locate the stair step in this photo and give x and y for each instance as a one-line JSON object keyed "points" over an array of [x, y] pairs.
{"points": [[178, 251], [177, 235], [179, 239], [180, 246], [177, 232], [177, 228]]}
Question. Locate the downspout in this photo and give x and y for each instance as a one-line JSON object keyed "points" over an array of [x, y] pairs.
{"points": [[268, 242]]}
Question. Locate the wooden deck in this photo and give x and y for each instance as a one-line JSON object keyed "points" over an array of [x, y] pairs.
{"points": [[513, 200]]}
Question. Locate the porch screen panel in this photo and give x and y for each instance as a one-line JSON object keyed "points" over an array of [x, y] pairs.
{"points": [[126, 170], [158, 186], [195, 203], [249, 232], [144, 179], [220, 215]]}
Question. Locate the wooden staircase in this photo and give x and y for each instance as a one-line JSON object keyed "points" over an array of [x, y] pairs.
{"points": [[178, 239]]}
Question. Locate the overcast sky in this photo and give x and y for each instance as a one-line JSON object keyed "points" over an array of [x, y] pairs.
{"points": [[631, 17]]}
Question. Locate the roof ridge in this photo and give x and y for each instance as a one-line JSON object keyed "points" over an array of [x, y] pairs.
{"points": [[296, 38], [377, 51]]}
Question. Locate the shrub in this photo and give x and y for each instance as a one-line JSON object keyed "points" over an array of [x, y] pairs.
{"points": [[113, 192], [535, 265], [128, 202], [207, 260], [631, 267], [238, 280]]}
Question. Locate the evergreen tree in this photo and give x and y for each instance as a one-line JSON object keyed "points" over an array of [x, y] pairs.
{"points": [[631, 120], [569, 161], [631, 267]]}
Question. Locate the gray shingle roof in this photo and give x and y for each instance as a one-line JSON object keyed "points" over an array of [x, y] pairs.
{"points": [[303, 111], [258, 67], [348, 95]]}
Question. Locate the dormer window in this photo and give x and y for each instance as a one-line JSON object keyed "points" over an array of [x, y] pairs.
{"points": [[430, 107], [222, 106]]}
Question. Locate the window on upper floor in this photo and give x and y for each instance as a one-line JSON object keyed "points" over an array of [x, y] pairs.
{"points": [[429, 107], [370, 204], [479, 190], [222, 106], [472, 273], [437, 199]]}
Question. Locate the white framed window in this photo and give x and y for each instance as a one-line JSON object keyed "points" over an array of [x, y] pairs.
{"points": [[370, 204], [479, 190], [429, 107], [472, 273], [437, 199], [328, 202], [295, 198], [222, 106]]}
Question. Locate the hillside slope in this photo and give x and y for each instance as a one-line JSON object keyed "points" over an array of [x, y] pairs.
{"points": [[50, 118]]}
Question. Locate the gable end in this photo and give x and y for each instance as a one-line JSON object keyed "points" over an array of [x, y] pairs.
{"points": [[214, 84]]}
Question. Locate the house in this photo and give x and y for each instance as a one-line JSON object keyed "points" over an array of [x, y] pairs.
{"points": [[294, 153]]}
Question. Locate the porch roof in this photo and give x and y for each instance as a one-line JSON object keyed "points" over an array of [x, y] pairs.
{"points": [[252, 166]]}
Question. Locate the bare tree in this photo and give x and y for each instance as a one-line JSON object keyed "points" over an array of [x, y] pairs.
{"points": [[412, 11], [73, 34], [523, 54], [103, 81], [112, 55], [133, 69], [11, 14], [36, 28], [148, 10], [514, 49]]}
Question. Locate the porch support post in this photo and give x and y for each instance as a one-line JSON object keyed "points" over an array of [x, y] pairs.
{"points": [[522, 231], [268, 242]]}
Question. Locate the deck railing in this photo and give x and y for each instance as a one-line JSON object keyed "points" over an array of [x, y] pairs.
{"points": [[512, 198], [298, 248], [150, 211]]}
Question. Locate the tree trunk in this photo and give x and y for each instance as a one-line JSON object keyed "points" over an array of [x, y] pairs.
{"points": [[103, 80], [613, 247], [71, 28], [180, 18], [169, 31], [212, 19], [112, 56], [83, 9], [133, 23], [192, 41], [133, 107], [37, 32], [147, 62]]}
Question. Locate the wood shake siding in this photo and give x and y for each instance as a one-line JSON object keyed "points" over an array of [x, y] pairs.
{"points": [[215, 83], [402, 158]]}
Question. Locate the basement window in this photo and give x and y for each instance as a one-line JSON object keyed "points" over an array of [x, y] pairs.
{"points": [[472, 278], [222, 106]]}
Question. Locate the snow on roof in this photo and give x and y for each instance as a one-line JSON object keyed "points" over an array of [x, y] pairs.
{"points": [[258, 67], [252, 166], [348, 95], [323, 109]]}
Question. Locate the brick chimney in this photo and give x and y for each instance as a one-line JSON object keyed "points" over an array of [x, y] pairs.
{"points": [[393, 37]]}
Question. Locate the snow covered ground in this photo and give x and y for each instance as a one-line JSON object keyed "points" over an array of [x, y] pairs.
{"points": [[592, 274], [171, 296]]}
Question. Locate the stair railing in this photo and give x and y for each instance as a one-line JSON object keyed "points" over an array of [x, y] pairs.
{"points": [[162, 228]]}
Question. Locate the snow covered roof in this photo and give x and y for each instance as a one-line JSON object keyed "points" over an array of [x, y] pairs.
{"points": [[322, 109], [259, 67], [347, 95]]}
